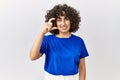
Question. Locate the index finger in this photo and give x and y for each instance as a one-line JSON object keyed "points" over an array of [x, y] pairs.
{"points": [[51, 19]]}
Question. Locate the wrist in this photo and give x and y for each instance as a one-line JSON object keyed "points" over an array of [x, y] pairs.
{"points": [[42, 32]]}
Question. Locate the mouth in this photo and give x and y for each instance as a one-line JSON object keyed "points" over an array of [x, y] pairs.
{"points": [[63, 27]]}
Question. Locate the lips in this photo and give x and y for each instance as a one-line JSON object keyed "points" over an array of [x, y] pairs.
{"points": [[63, 27]]}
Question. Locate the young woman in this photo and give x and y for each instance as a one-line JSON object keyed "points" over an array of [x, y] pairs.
{"points": [[64, 52]]}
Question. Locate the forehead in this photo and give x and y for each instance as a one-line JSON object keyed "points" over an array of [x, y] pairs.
{"points": [[62, 17]]}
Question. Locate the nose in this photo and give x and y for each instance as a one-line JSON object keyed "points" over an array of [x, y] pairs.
{"points": [[63, 22]]}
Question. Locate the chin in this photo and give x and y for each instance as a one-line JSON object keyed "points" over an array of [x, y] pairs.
{"points": [[64, 31]]}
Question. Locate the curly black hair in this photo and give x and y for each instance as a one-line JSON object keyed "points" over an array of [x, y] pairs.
{"points": [[70, 12]]}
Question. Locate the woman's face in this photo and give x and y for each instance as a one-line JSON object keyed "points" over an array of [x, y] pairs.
{"points": [[63, 24]]}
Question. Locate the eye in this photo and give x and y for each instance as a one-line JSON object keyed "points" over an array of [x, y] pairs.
{"points": [[67, 18]]}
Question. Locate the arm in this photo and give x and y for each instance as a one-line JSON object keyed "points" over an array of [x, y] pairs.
{"points": [[82, 69], [34, 52]]}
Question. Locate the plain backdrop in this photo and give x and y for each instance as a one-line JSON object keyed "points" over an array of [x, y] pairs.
{"points": [[22, 20]]}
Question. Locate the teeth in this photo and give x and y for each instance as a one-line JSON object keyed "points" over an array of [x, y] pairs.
{"points": [[63, 27]]}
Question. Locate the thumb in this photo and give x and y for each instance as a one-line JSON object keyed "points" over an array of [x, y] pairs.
{"points": [[53, 28]]}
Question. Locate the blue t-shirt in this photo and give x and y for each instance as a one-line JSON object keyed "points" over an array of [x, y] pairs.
{"points": [[63, 54]]}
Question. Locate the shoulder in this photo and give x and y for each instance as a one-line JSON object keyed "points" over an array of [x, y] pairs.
{"points": [[48, 37], [77, 37]]}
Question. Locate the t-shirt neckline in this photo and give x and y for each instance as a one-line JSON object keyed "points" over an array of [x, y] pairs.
{"points": [[63, 38]]}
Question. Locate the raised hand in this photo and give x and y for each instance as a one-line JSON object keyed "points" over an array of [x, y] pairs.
{"points": [[48, 26]]}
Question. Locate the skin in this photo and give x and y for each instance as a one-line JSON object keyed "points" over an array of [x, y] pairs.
{"points": [[34, 52], [82, 69], [63, 25]]}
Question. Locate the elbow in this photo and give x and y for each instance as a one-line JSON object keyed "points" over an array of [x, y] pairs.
{"points": [[32, 59], [33, 56], [82, 67]]}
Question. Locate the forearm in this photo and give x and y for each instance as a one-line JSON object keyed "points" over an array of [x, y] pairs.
{"points": [[82, 69], [82, 73], [34, 52]]}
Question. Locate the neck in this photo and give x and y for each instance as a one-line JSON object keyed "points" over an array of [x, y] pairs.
{"points": [[64, 35]]}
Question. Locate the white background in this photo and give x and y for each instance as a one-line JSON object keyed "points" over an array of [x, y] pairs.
{"points": [[21, 21]]}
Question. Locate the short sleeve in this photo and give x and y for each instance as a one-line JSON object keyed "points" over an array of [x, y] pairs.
{"points": [[43, 48], [84, 52]]}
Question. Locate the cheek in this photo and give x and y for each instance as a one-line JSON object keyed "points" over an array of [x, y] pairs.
{"points": [[68, 23], [58, 24]]}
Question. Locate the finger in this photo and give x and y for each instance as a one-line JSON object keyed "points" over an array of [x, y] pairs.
{"points": [[48, 28], [49, 24], [51, 19], [53, 28]]}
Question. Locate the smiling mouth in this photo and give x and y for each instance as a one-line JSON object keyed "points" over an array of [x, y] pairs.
{"points": [[63, 27]]}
